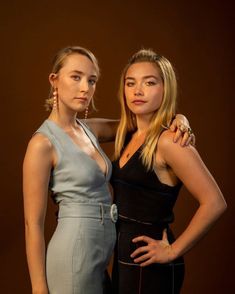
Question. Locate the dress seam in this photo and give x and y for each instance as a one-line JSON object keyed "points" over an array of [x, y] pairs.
{"points": [[140, 280]]}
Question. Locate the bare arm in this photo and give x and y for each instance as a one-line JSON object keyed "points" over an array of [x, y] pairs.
{"points": [[36, 174], [189, 168], [104, 129]]}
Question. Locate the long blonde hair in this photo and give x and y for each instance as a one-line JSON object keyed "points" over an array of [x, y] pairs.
{"points": [[161, 118], [58, 63]]}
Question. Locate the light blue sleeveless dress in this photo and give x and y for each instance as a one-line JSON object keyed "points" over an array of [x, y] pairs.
{"points": [[82, 244]]}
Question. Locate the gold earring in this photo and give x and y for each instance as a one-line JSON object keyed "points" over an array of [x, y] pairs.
{"points": [[86, 112]]}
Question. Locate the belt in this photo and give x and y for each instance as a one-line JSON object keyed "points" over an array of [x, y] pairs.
{"points": [[141, 228], [88, 210]]}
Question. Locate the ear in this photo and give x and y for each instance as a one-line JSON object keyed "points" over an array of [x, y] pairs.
{"points": [[52, 79]]}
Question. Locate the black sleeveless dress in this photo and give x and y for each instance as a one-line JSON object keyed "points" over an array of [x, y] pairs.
{"points": [[145, 208]]}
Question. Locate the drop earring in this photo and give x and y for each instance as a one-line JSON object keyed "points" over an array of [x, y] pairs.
{"points": [[55, 99], [86, 112]]}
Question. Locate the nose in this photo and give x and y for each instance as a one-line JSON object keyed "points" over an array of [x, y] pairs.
{"points": [[138, 91], [84, 86]]}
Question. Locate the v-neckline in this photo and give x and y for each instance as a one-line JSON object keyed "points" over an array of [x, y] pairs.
{"points": [[132, 156], [76, 146]]}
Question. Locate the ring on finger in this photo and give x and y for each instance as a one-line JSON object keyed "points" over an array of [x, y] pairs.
{"points": [[190, 131], [183, 128]]}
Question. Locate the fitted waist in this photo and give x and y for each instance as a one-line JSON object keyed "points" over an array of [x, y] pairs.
{"points": [[88, 210], [138, 227]]}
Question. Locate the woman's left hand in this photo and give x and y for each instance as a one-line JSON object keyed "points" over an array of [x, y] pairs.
{"points": [[155, 251], [181, 127]]}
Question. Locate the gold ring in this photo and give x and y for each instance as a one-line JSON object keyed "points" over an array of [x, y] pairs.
{"points": [[190, 131], [183, 128]]}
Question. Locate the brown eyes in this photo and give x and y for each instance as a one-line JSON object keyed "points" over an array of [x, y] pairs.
{"points": [[150, 83], [130, 84], [147, 83]]}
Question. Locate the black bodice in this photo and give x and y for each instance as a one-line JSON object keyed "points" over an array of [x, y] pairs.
{"points": [[140, 195]]}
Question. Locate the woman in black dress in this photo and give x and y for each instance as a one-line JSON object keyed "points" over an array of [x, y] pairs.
{"points": [[147, 175]]}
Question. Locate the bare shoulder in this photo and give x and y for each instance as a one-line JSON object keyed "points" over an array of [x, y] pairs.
{"points": [[166, 137], [168, 148], [40, 143], [166, 140], [39, 154]]}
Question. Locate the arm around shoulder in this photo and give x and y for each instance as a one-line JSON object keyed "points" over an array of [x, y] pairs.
{"points": [[104, 129]]}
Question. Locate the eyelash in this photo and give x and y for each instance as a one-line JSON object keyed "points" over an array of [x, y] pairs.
{"points": [[129, 84], [78, 78], [148, 83], [92, 82]]}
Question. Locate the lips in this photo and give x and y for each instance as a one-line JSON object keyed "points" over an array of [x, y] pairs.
{"points": [[82, 99], [138, 102]]}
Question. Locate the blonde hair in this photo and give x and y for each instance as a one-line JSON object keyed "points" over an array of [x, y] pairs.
{"points": [[162, 116], [58, 63]]}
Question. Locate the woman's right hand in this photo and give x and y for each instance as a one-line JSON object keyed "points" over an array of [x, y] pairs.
{"points": [[155, 251]]}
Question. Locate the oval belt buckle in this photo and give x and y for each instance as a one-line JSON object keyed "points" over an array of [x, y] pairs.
{"points": [[113, 213]]}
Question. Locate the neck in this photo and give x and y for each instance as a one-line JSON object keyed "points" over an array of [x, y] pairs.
{"points": [[143, 122], [66, 119]]}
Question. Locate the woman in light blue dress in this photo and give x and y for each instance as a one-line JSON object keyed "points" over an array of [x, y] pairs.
{"points": [[64, 155]]}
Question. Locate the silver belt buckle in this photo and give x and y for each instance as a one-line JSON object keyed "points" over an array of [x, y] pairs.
{"points": [[113, 213]]}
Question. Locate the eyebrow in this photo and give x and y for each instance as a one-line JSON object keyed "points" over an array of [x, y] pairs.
{"points": [[145, 77], [82, 73]]}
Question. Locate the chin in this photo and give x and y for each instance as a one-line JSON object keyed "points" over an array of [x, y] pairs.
{"points": [[78, 108], [142, 112]]}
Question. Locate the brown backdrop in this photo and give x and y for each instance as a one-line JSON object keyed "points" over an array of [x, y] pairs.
{"points": [[196, 36]]}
